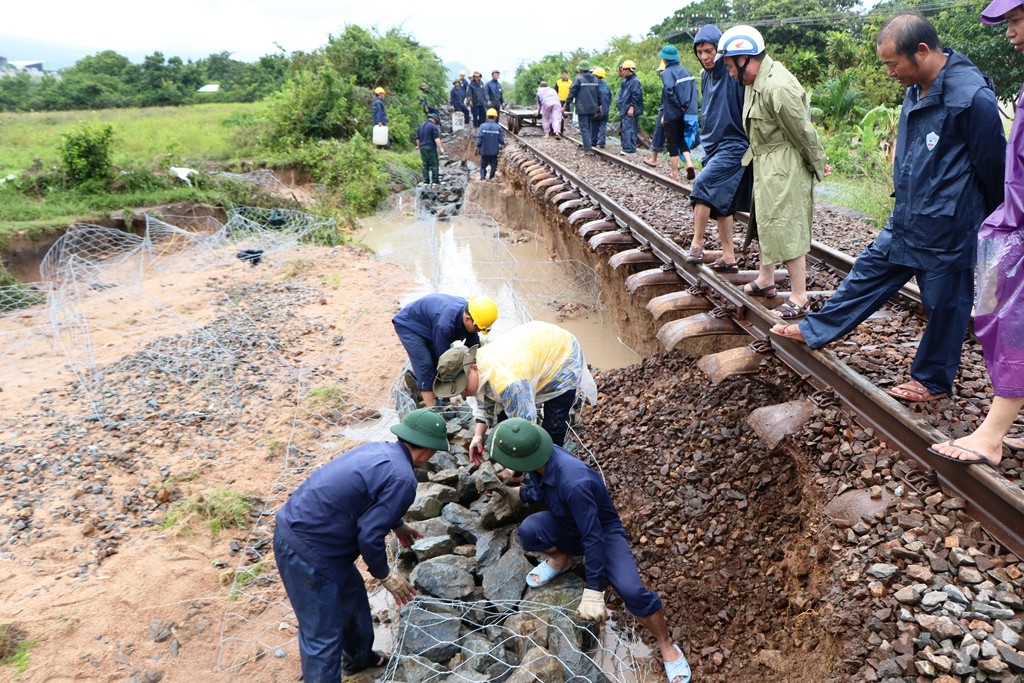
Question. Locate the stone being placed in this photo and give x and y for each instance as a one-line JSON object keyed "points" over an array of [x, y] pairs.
{"points": [[447, 577]]}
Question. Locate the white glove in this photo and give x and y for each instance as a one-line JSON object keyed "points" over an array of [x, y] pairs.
{"points": [[400, 588], [592, 606]]}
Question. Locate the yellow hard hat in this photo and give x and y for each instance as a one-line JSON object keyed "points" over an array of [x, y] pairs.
{"points": [[628, 64], [462, 73], [379, 91], [599, 72], [492, 112], [483, 310]]}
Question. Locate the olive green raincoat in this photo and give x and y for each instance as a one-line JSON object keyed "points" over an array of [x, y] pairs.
{"points": [[787, 157]]}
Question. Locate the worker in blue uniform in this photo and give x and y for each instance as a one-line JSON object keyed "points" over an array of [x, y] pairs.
{"points": [[579, 519], [428, 326], [489, 140], [477, 99], [428, 142], [679, 110], [599, 127], [584, 92], [631, 105], [717, 188], [380, 116], [457, 98], [345, 510], [493, 93], [948, 176]]}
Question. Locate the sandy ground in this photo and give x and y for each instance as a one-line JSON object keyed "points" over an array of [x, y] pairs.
{"points": [[85, 566]]}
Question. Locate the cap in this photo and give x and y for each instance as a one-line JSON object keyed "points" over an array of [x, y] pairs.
{"points": [[996, 11], [423, 428], [520, 445], [453, 371], [669, 53]]}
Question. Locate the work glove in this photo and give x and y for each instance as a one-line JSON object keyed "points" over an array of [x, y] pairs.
{"points": [[476, 449], [511, 496], [592, 606], [407, 535], [402, 590]]}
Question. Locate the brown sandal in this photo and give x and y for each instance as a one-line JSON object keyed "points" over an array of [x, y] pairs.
{"points": [[720, 265]]}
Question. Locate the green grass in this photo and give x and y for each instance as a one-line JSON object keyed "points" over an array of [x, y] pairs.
{"points": [[246, 577], [220, 509], [166, 135], [14, 649], [867, 196]]}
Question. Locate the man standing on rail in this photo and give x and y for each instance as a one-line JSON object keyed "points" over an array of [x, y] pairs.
{"points": [[584, 92], [599, 132], [493, 93], [719, 188], [345, 510], [678, 110], [477, 99], [631, 105], [787, 157], [531, 365], [948, 177], [579, 519], [428, 326]]}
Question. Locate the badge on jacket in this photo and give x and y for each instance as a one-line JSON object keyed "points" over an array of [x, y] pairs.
{"points": [[931, 140]]}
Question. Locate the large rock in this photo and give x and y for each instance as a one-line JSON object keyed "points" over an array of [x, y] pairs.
{"points": [[430, 499], [528, 630], [505, 580], [562, 593], [466, 522], [566, 641], [479, 654], [429, 547], [447, 577], [429, 632], [490, 547], [539, 665], [416, 669]]}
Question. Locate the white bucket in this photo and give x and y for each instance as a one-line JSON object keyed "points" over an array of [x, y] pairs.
{"points": [[380, 135]]}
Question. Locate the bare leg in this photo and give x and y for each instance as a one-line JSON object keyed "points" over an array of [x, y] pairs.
{"points": [[429, 399], [655, 623], [987, 439], [726, 226], [689, 160], [674, 162], [654, 157], [797, 280], [765, 276], [701, 214]]}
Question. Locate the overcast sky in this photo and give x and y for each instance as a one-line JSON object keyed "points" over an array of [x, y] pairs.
{"points": [[482, 36]]}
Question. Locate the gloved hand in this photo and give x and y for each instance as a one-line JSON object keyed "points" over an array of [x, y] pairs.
{"points": [[407, 535], [402, 590], [592, 606], [511, 496], [476, 449]]}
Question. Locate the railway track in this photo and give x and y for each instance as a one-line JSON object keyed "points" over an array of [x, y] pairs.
{"points": [[714, 303]]}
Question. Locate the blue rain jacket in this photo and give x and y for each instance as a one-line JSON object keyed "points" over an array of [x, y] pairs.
{"points": [[347, 507], [577, 497], [584, 91], [948, 172], [493, 94], [489, 139], [477, 97], [678, 91], [457, 96], [379, 115], [631, 95], [436, 320], [604, 93]]}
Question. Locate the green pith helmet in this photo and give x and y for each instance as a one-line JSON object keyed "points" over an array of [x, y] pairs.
{"points": [[520, 445], [423, 428]]}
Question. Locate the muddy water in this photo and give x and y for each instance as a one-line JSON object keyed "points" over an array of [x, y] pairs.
{"points": [[471, 255]]}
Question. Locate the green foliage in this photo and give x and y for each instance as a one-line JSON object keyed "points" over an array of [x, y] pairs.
{"points": [[246, 577], [220, 509], [85, 155], [14, 649], [350, 169], [839, 100]]}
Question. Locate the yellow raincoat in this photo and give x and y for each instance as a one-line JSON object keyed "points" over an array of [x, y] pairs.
{"points": [[527, 366]]}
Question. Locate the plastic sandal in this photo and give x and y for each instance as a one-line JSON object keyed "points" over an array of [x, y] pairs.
{"points": [[790, 311], [980, 459], [678, 670], [766, 292], [545, 573]]}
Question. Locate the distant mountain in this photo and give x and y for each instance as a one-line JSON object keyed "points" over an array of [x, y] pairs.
{"points": [[453, 69]]}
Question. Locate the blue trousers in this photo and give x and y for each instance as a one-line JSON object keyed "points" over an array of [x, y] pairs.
{"points": [[488, 160], [479, 115], [628, 133], [421, 357], [947, 299], [542, 531], [599, 131], [556, 416], [586, 130], [335, 626]]}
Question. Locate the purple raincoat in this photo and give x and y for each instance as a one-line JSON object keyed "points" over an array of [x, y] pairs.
{"points": [[999, 304]]}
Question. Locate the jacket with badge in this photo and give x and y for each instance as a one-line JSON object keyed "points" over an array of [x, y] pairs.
{"points": [[489, 139], [493, 94], [631, 95], [477, 96], [948, 171], [584, 92]]}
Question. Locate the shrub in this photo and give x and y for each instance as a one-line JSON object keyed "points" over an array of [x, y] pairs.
{"points": [[85, 154]]}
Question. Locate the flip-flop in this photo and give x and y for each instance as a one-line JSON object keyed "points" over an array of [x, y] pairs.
{"points": [[782, 330], [960, 461], [765, 293], [649, 163], [1014, 443], [545, 573], [678, 670], [923, 395]]}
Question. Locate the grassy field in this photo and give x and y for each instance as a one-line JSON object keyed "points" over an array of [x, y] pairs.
{"points": [[158, 135]]}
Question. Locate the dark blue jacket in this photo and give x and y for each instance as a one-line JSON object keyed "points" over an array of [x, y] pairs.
{"points": [[489, 139], [477, 96], [427, 134], [604, 94], [347, 507], [493, 94], [631, 95], [584, 92], [678, 91], [379, 115], [948, 172], [578, 499], [722, 108], [437, 318], [457, 97]]}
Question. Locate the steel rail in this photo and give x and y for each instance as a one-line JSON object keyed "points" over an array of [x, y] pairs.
{"points": [[991, 499]]}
